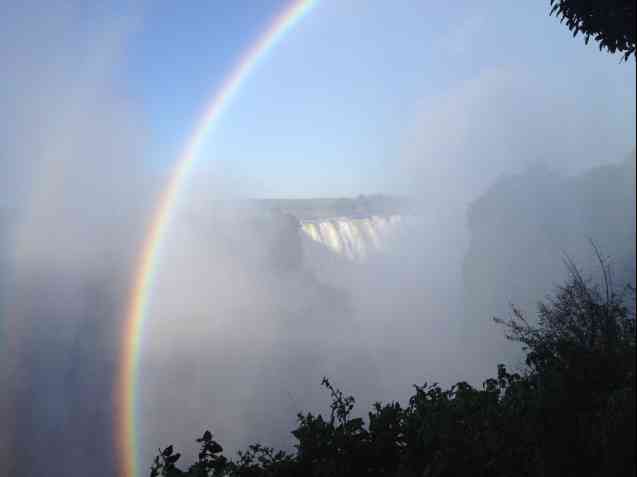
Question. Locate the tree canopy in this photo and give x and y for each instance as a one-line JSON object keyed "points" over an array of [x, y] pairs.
{"points": [[609, 22]]}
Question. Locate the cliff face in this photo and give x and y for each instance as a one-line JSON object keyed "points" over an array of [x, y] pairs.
{"points": [[525, 225]]}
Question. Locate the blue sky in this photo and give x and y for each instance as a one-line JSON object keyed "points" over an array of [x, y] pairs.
{"points": [[331, 109]]}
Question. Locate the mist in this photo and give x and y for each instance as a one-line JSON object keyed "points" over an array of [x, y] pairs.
{"points": [[247, 313], [74, 199]]}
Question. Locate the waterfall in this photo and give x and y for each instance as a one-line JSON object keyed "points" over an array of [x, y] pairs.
{"points": [[355, 238]]}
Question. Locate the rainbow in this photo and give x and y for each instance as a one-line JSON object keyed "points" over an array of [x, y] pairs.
{"points": [[126, 438]]}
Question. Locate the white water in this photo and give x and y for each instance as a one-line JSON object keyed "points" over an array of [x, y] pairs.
{"points": [[356, 239]]}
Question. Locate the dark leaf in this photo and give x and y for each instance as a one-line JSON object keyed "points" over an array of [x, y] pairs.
{"points": [[167, 451]]}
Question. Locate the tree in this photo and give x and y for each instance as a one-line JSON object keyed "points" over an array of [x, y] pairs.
{"points": [[609, 22], [581, 356]]}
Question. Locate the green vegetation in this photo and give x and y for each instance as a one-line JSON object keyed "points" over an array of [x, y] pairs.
{"points": [[571, 412], [610, 22]]}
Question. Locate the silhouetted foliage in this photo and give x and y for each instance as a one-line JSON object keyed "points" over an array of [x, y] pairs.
{"points": [[570, 413], [609, 22], [210, 463]]}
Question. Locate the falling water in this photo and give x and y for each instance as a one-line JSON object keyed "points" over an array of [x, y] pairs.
{"points": [[355, 238]]}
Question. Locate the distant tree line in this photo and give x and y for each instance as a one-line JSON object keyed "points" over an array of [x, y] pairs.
{"points": [[571, 412]]}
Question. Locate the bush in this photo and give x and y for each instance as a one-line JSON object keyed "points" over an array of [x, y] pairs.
{"points": [[571, 413]]}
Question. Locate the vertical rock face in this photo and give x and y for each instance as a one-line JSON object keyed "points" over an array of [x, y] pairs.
{"points": [[354, 238], [279, 240], [5, 400], [525, 225], [62, 353]]}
